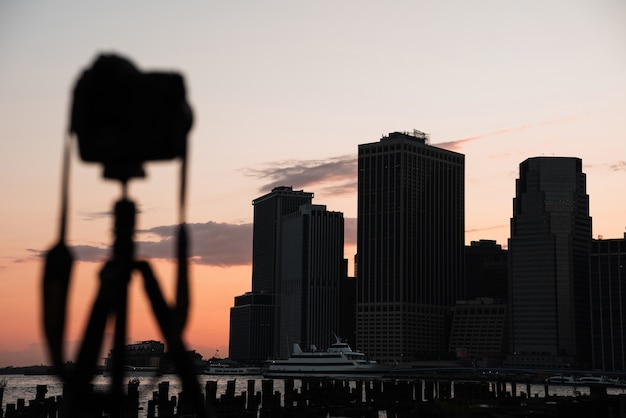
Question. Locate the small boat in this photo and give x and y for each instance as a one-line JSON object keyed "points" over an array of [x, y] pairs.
{"points": [[137, 371], [597, 380], [142, 358], [338, 360], [561, 379], [231, 369]]}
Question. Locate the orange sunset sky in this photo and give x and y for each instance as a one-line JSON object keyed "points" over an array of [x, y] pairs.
{"points": [[283, 92]]}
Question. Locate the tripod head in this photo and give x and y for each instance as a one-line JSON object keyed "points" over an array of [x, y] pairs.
{"points": [[123, 117]]}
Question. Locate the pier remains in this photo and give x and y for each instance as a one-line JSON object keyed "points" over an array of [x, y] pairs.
{"points": [[326, 398]]}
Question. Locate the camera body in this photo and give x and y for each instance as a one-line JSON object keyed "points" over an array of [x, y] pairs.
{"points": [[123, 117]]}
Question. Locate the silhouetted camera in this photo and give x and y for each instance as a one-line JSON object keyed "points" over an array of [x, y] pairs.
{"points": [[123, 117]]}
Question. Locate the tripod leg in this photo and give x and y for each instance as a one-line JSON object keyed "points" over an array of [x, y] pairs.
{"points": [[56, 281], [79, 399], [172, 334], [94, 333]]}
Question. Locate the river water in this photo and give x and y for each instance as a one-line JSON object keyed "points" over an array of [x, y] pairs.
{"points": [[24, 387]]}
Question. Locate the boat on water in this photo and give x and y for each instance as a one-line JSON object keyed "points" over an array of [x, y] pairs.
{"points": [[561, 379], [222, 369], [137, 371], [142, 358], [584, 380], [338, 360], [599, 380]]}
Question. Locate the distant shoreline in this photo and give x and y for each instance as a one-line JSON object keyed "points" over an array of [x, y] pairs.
{"points": [[41, 369]]}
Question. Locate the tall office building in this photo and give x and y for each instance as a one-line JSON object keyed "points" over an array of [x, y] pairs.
{"points": [[478, 331], [269, 210], [486, 271], [312, 275], [410, 243], [549, 264], [608, 298], [267, 246], [255, 318], [251, 328]]}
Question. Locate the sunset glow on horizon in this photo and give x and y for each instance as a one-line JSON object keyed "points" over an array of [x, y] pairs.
{"points": [[283, 94]]}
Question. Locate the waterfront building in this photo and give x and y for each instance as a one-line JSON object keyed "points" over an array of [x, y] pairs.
{"points": [[312, 271], [269, 210], [486, 270], [549, 265], [140, 355], [478, 331], [608, 298], [410, 243], [251, 328]]}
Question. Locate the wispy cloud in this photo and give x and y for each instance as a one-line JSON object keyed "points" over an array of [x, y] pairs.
{"points": [[618, 166], [211, 243], [458, 144], [336, 175], [86, 253], [350, 231], [488, 228], [90, 253], [92, 216]]}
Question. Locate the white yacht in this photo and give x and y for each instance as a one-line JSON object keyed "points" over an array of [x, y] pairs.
{"points": [[598, 380], [216, 368], [561, 379], [338, 360]]}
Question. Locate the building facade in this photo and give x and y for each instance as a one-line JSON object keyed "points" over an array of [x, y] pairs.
{"points": [[549, 265], [269, 210], [478, 331], [486, 271], [312, 275], [410, 243], [608, 304], [251, 328]]}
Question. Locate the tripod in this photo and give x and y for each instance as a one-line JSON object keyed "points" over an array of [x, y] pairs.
{"points": [[122, 118], [112, 300]]}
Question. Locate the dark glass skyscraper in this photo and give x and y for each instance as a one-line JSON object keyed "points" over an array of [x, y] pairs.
{"points": [[486, 271], [608, 302], [410, 245], [269, 210], [549, 264], [267, 245], [312, 277], [255, 318]]}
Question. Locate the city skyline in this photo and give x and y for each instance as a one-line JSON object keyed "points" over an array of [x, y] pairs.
{"points": [[282, 95]]}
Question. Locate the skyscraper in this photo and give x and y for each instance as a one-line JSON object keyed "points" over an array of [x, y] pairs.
{"points": [[269, 210], [251, 328], [255, 319], [608, 298], [312, 277], [549, 264], [410, 245], [486, 271]]}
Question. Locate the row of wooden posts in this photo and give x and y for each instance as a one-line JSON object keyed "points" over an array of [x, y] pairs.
{"points": [[315, 397]]}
